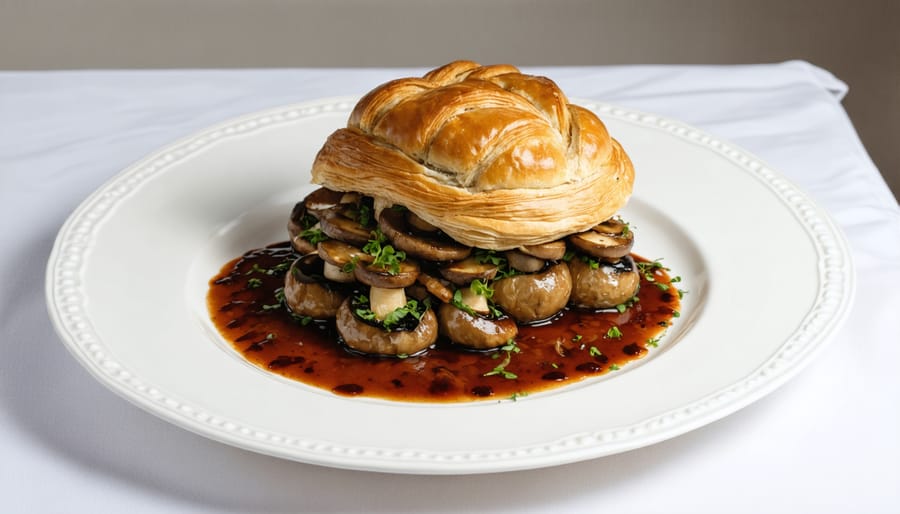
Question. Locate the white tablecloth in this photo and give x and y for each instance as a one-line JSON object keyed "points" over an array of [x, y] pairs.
{"points": [[825, 442]]}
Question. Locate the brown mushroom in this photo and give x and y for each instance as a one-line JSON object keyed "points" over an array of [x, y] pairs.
{"points": [[436, 287], [299, 222], [552, 251], [534, 297], [418, 223], [340, 256], [607, 285], [373, 339], [377, 276], [524, 263], [469, 269], [322, 200], [306, 294], [337, 225], [474, 331], [608, 240], [430, 247]]}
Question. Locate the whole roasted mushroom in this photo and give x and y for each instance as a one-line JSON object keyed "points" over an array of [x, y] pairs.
{"points": [[307, 293], [604, 286], [472, 330], [534, 297], [374, 339]]}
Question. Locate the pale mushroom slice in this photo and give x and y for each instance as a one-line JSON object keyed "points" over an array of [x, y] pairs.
{"points": [[340, 259]]}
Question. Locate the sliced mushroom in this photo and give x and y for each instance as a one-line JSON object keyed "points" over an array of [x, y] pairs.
{"points": [[534, 297], [552, 251], [608, 285], [305, 292], [474, 331], [613, 226], [372, 339], [429, 247], [603, 246], [465, 271], [377, 276], [436, 287], [418, 223], [524, 263], [322, 200], [341, 254], [338, 226], [340, 258]]}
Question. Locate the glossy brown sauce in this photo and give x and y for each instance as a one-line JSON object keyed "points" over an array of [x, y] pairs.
{"points": [[576, 345]]}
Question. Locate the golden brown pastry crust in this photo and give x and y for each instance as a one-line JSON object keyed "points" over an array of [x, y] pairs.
{"points": [[495, 158]]}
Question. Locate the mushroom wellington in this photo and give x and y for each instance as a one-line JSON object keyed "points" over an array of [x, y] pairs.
{"points": [[463, 204]]}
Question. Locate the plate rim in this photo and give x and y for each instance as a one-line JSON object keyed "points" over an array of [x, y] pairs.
{"points": [[836, 290]]}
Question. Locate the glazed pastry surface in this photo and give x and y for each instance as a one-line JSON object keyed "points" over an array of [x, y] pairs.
{"points": [[495, 158]]}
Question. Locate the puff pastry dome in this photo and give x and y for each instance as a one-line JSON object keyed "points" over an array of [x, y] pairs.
{"points": [[495, 158]]}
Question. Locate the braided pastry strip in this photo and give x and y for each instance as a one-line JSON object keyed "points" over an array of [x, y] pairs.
{"points": [[495, 158]]}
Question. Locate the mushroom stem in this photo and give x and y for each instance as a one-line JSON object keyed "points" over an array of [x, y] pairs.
{"points": [[384, 301], [475, 301], [335, 273]]}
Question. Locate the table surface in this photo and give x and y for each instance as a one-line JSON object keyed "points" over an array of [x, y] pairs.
{"points": [[824, 442]]}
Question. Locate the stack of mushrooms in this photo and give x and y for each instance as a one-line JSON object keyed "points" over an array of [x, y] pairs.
{"points": [[463, 205]]}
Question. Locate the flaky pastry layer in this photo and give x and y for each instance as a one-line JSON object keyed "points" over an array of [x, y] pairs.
{"points": [[495, 158]]}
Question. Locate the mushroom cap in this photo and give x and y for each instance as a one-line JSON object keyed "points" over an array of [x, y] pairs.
{"points": [[534, 297], [371, 339], [474, 331]]}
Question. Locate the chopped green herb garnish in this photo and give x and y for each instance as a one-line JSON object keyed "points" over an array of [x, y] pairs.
{"points": [[254, 283], [595, 352], [593, 263], [515, 396], [313, 235], [510, 347], [481, 289], [577, 338], [613, 367], [622, 307], [386, 257], [653, 341], [614, 333]]}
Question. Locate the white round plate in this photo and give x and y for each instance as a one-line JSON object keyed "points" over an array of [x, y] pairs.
{"points": [[769, 280]]}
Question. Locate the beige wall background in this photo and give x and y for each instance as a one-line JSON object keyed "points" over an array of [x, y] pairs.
{"points": [[859, 41]]}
